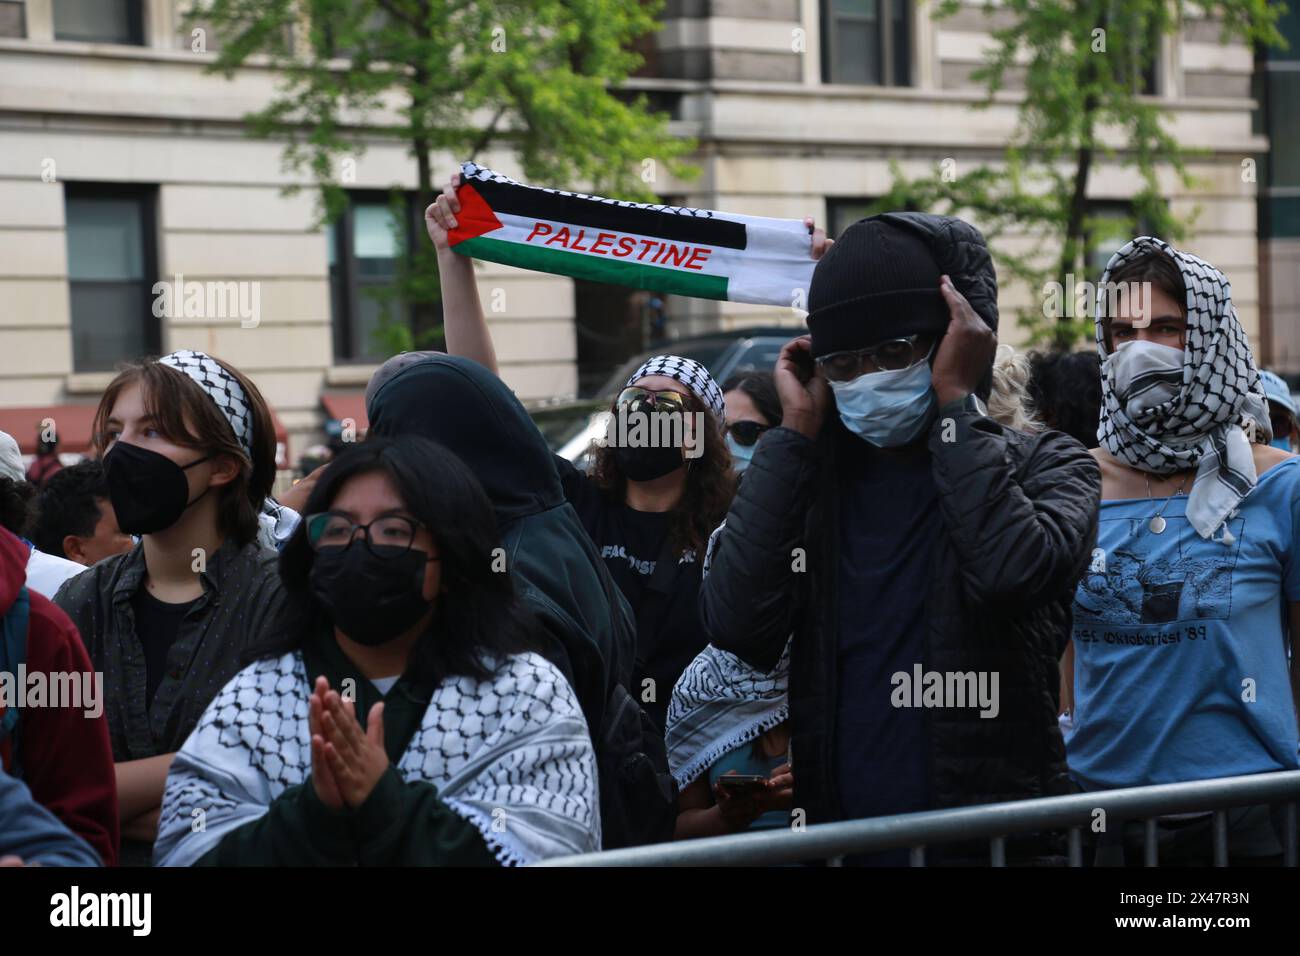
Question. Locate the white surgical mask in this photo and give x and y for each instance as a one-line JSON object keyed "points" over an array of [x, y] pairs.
{"points": [[741, 455], [887, 409]]}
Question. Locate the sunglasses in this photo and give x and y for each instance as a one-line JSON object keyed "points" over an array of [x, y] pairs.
{"points": [[746, 433], [639, 399]]}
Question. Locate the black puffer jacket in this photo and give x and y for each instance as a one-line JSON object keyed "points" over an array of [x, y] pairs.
{"points": [[1020, 520]]}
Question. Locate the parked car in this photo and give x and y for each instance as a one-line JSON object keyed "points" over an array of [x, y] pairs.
{"points": [[572, 428]]}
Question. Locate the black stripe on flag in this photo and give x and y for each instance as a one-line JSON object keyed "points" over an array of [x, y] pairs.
{"points": [[531, 203]]}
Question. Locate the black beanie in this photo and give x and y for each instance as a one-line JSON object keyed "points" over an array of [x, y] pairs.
{"points": [[878, 281]]}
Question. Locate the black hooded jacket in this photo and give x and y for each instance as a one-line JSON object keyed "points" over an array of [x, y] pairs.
{"points": [[1019, 520], [588, 627]]}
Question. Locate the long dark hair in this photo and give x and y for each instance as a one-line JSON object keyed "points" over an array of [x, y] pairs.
{"points": [[760, 386], [477, 612], [710, 485]]}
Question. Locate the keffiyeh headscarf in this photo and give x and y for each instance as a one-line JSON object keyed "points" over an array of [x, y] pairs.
{"points": [[720, 702], [1162, 422], [691, 374], [220, 386]]}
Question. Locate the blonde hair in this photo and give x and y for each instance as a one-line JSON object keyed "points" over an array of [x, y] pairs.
{"points": [[1009, 402]]}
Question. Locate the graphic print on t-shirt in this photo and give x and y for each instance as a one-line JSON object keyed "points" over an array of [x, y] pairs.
{"points": [[1154, 579]]}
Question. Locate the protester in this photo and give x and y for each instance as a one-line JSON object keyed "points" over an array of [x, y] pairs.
{"points": [[58, 747], [45, 572], [1066, 391], [650, 508], [1192, 597], [46, 464], [587, 626], [908, 533], [450, 744], [1281, 410], [1009, 401], [189, 456], [75, 519], [752, 407], [32, 836]]}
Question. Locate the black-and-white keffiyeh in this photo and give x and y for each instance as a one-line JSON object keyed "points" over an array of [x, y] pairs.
{"points": [[220, 386], [691, 374], [516, 742], [720, 702], [1164, 423]]}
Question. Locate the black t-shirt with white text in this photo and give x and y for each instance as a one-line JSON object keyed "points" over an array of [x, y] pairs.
{"points": [[631, 543]]}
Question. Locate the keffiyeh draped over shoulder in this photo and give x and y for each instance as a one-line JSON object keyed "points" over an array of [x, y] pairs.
{"points": [[720, 702], [512, 749], [1161, 426]]}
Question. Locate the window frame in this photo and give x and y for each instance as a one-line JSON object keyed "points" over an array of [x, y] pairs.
{"points": [[22, 18], [886, 44], [146, 197], [136, 15], [342, 327]]}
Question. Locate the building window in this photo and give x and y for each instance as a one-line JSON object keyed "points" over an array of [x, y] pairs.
{"points": [[842, 213], [366, 248], [867, 42], [111, 272], [99, 21], [13, 19], [1110, 225]]}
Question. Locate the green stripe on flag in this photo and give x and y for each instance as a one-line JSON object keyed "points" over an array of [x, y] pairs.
{"points": [[595, 268]]}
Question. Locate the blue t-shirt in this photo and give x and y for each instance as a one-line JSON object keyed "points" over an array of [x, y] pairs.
{"points": [[1180, 643], [748, 758], [889, 525]]}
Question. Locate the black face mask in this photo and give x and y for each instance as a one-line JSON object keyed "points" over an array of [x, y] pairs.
{"points": [[148, 490], [372, 597], [647, 464]]}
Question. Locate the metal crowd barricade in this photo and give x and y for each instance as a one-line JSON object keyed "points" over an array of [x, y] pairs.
{"points": [[832, 842]]}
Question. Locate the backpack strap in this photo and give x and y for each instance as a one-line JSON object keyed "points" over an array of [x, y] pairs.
{"points": [[13, 653]]}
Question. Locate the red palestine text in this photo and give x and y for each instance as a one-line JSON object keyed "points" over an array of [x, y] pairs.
{"points": [[622, 247]]}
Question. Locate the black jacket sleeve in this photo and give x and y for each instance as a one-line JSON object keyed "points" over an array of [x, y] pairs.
{"points": [[1023, 525], [751, 596], [400, 824]]}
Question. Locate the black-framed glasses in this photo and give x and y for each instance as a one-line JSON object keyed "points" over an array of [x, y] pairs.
{"points": [[746, 433], [329, 529], [638, 399], [888, 356]]}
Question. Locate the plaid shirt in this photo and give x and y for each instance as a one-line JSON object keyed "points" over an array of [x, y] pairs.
{"points": [[243, 603]]}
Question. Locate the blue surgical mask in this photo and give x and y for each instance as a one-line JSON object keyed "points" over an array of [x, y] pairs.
{"points": [[887, 409], [1283, 443], [741, 455]]}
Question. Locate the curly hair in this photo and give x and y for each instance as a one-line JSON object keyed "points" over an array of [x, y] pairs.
{"points": [[17, 505], [710, 485]]}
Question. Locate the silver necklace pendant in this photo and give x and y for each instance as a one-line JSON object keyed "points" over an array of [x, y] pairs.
{"points": [[1157, 524]]}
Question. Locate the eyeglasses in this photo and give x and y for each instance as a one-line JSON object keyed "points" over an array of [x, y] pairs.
{"points": [[329, 529], [889, 356], [639, 399], [746, 433]]}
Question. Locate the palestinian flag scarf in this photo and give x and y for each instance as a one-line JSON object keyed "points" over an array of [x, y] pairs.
{"points": [[668, 249]]}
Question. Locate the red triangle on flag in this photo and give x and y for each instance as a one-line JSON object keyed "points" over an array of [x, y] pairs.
{"points": [[475, 217]]}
